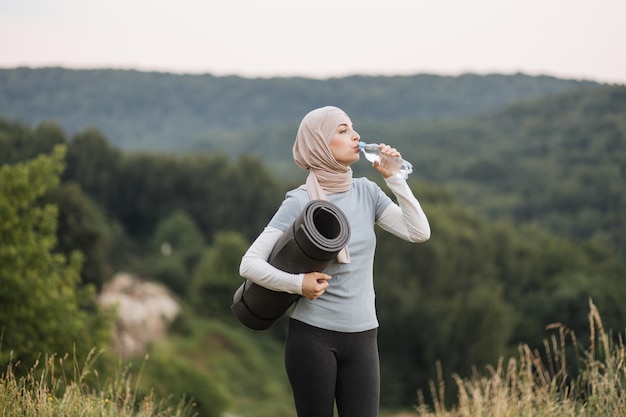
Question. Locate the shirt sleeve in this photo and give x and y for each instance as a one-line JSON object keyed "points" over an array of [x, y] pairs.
{"points": [[254, 265], [406, 219]]}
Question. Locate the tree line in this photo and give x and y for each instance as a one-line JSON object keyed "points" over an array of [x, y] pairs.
{"points": [[150, 110]]}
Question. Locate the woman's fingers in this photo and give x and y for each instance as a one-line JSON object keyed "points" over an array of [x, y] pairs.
{"points": [[314, 284]]}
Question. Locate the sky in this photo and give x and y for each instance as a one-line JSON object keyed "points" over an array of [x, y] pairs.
{"points": [[571, 39]]}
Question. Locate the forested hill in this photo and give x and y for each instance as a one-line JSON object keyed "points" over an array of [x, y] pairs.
{"points": [[557, 161], [166, 111]]}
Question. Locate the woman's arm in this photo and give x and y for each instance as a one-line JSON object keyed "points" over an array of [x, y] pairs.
{"points": [[254, 265], [406, 220]]}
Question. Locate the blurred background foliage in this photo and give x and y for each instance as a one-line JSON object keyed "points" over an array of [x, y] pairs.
{"points": [[522, 179]]}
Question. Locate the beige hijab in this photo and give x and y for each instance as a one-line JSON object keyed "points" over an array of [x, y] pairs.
{"points": [[311, 151]]}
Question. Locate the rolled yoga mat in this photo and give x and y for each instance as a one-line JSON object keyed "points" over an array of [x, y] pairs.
{"points": [[314, 239]]}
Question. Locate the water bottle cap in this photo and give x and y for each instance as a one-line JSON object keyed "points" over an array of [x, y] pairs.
{"points": [[362, 145]]}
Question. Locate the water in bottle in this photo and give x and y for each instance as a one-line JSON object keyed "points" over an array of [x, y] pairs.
{"points": [[397, 166]]}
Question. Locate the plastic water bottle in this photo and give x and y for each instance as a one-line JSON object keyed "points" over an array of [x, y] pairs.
{"points": [[397, 166]]}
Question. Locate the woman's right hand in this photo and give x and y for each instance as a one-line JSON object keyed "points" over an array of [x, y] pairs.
{"points": [[314, 284]]}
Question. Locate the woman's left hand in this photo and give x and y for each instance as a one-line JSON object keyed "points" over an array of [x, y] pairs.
{"points": [[386, 164]]}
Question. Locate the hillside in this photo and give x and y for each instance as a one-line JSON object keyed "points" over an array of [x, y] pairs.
{"points": [[147, 110], [529, 149], [557, 160]]}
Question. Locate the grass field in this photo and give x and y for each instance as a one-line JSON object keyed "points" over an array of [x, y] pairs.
{"points": [[533, 384]]}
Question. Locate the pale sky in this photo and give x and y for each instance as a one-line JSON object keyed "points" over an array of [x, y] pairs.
{"points": [[320, 38]]}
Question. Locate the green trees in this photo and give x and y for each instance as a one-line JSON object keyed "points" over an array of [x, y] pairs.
{"points": [[557, 162], [19, 142], [175, 247], [82, 226], [40, 298], [94, 164], [477, 290], [442, 300], [212, 287]]}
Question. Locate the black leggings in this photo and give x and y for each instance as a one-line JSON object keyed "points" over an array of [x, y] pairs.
{"points": [[324, 366]]}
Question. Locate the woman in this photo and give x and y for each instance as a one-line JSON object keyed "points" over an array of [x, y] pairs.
{"points": [[331, 351]]}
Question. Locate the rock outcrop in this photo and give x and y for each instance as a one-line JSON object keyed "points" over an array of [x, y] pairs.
{"points": [[144, 311]]}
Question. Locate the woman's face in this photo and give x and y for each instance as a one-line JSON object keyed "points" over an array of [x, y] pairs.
{"points": [[345, 143]]}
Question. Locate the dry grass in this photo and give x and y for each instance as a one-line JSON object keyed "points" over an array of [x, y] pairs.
{"points": [[536, 385], [46, 391]]}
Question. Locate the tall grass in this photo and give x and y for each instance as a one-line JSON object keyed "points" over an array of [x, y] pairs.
{"points": [[46, 390], [563, 379], [539, 384]]}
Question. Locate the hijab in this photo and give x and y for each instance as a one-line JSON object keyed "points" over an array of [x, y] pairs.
{"points": [[311, 151]]}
